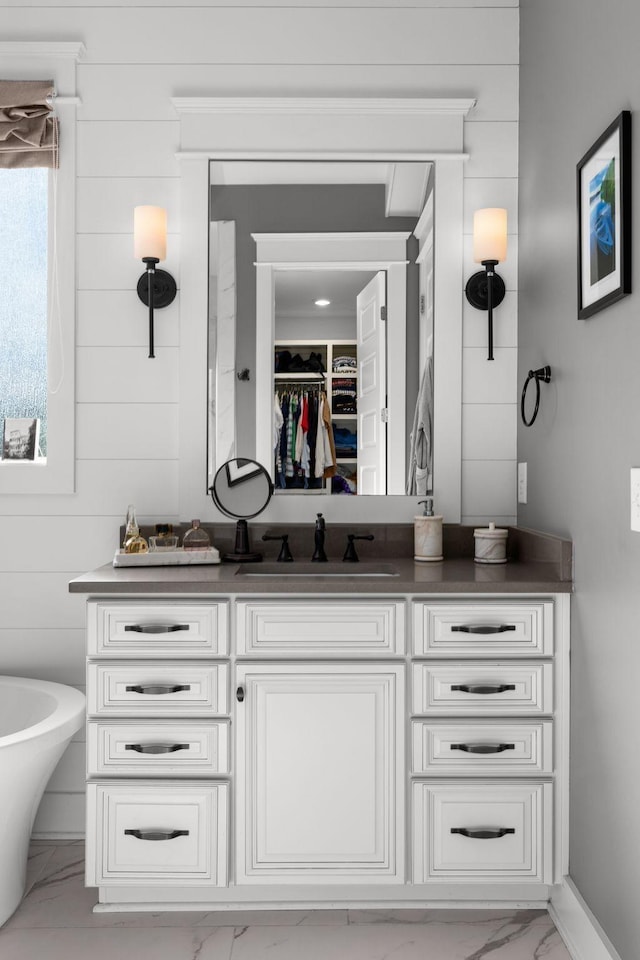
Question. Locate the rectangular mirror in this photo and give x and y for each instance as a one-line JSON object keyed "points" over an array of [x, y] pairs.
{"points": [[335, 399]]}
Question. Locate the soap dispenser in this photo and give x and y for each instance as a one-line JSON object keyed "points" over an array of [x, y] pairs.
{"points": [[427, 534]]}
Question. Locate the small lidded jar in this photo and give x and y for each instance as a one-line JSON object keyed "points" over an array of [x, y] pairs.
{"points": [[490, 544], [196, 538]]}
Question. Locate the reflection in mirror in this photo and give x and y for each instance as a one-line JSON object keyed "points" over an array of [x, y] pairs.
{"points": [[336, 399]]}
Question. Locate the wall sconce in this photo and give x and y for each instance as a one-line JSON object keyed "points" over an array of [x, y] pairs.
{"points": [[156, 288], [486, 290]]}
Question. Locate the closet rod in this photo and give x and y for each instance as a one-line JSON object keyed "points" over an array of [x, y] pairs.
{"points": [[295, 383]]}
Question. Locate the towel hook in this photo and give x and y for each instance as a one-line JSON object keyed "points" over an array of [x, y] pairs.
{"points": [[542, 373]]}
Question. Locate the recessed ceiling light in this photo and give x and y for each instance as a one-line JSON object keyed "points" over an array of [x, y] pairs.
{"points": [[322, 303]]}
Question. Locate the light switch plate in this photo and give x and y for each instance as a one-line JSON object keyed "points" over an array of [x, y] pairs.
{"points": [[522, 483], [635, 498]]}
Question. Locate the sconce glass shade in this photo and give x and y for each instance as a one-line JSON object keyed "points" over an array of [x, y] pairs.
{"points": [[490, 235], [150, 232]]}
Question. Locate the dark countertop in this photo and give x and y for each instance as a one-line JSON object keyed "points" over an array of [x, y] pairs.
{"points": [[448, 576], [538, 563]]}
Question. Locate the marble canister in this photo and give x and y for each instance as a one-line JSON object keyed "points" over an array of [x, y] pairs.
{"points": [[491, 544], [427, 538]]}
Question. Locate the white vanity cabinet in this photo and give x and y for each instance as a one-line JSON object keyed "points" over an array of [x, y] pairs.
{"points": [[270, 750]]}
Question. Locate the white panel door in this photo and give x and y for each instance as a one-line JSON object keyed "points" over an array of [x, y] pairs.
{"points": [[320, 784], [372, 387]]}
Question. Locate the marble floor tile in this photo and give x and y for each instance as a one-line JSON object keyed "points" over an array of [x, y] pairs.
{"points": [[441, 914], [56, 921], [516, 938], [39, 856], [269, 918], [155, 943]]}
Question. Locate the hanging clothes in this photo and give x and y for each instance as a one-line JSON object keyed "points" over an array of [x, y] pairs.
{"points": [[304, 453], [325, 465], [421, 439]]}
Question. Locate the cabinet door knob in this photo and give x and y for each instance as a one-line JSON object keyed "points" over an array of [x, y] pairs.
{"points": [[483, 628], [155, 627], [157, 689], [483, 747], [482, 688], [240, 694], [483, 833], [156, 834], [156, 747]]}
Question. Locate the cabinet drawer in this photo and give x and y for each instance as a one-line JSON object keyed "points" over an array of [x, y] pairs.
{"points": [[335, 628], [481, 747], [157, 689], [156, 833], [482, 832], [157, 629], [481, 629], [482, 688], [157, 748]]}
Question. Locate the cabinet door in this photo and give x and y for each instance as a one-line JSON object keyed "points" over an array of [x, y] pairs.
{"points": [[320, 773]]}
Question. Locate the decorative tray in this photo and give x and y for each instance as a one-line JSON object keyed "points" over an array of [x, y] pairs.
{"points": [[166, 558]]}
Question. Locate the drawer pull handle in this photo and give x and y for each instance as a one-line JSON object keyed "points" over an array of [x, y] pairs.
{"points": [[483, 747], [483, 628], [240, 694], [157, 689], [156, 747], [483, 688], [156, 834], [483, 833], [155, 627]]}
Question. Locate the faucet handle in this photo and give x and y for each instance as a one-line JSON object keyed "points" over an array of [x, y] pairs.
{"points": [[285, 555], [350, 555]]}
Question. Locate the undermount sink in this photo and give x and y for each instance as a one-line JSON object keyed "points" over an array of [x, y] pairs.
{"points": [[306, 568]]}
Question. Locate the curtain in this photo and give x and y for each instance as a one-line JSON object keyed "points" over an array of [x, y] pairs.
{"points": [[28, 127]]}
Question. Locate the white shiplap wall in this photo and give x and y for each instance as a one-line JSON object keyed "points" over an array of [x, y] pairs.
{"points": [[138, 56]]}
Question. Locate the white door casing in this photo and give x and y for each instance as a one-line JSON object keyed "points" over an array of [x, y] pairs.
{"points": [[384, 251], [372, 386]]}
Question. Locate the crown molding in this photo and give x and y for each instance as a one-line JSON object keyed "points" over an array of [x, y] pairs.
{"points": [[324, 106], [70, 50]]}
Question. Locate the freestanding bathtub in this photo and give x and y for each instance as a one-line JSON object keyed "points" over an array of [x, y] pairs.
{"points": [[37, 721]]}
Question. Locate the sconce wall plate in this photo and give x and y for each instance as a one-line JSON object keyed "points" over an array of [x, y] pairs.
{"points": [[163, 289], [477, 290]]}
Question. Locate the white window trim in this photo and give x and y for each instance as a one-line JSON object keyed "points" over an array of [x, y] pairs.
{"points": [[56, 61]]}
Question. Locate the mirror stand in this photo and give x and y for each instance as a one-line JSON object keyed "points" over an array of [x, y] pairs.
{"points": [[241, 552]]}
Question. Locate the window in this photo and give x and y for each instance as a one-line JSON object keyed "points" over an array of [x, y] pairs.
{"points": [[24, 215], [37, 279]]}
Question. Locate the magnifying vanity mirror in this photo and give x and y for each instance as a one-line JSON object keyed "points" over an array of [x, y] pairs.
{"points": [[321, 323], [241, 489]]}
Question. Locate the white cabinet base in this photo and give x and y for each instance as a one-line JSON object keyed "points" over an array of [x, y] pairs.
{"points": [[486, 896]]}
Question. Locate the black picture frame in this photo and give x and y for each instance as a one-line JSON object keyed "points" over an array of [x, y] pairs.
{"points": [[604, 219]]}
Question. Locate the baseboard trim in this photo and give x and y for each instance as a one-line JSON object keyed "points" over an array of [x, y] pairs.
{"points": [[584, 937]]}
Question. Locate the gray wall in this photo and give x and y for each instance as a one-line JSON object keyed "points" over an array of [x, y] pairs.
{"points": [[579, 69]]}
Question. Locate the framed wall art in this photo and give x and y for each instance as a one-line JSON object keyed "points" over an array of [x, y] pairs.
{"points": [[21, 438], [604, 219]]}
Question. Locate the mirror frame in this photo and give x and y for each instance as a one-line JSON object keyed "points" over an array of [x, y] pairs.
{"points": [[347, 129]]}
